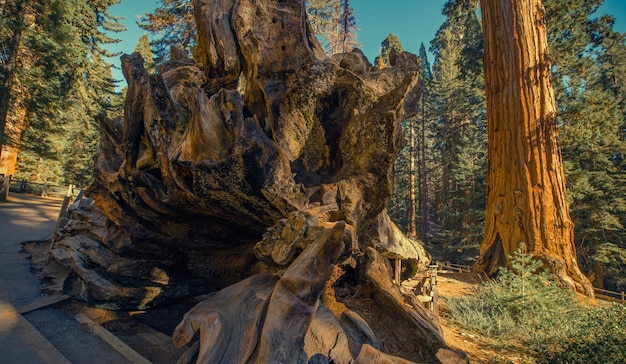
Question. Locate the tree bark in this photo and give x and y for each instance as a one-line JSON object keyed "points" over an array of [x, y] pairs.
{"points": [[526, 200], [8, 71], [412, 229], [423, 186]]}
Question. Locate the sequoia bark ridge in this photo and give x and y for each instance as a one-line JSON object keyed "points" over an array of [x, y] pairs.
{"points": [[527, 200]]}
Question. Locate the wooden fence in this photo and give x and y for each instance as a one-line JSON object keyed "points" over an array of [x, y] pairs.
{"points": [[603, 294], [610, 295], [41, 189], [454, 267]]}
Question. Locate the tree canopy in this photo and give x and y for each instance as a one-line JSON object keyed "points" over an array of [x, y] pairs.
{"points": [[61, 83], [171, 24]]}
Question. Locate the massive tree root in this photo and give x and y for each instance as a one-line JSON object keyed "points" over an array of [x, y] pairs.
{"points": [[258, 171]]}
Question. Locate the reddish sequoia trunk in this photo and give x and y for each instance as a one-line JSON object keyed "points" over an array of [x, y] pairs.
{"points": [[9, 68], [526, 182]]}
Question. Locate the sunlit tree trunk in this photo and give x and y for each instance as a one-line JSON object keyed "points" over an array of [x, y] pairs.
{"points": [[423, 187], [412, 229], [8, 69], [526, 200]]}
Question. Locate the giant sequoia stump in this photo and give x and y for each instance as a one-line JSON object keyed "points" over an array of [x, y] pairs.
{"points": [[258, 171]]}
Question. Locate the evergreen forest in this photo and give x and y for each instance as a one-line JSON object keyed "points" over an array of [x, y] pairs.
{"points": [[56, 81]]}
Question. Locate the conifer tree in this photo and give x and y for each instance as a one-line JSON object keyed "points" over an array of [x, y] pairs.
{"points": [[346, 40], [323, 16], [143, 48], [57, 50], [334, 23], [589, 70], [171, 24], [424, 126], [14, 16], [459, 127], [403, 203], [391, 42], [527, 201]]}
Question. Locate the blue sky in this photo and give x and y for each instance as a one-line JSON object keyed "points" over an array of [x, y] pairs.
{"points": [[413, 21]]}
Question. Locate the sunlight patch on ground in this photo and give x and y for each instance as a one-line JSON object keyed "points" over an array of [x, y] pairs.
{"points": [[8, 317]]}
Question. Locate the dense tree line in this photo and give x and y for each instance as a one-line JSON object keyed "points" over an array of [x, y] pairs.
{"points": [[590, 91], [54, 81], [452, 140]]}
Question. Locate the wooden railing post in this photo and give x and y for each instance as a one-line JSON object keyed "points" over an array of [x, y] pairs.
{"points": [[64, 206], [435, 292], [4, 188], [398, 272]]}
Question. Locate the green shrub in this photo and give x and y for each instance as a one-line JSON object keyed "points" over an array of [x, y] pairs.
{"points": [[526, 304], [599, 336]]}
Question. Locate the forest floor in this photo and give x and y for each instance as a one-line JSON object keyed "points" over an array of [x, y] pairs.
{"points": [[478, 348], [481, 349]]}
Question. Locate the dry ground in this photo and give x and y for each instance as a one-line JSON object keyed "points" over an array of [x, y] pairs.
{"points": [[478, 348]]}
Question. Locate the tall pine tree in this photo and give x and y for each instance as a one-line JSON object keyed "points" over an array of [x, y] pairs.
{"points": [[334, 23], [143, 48]]}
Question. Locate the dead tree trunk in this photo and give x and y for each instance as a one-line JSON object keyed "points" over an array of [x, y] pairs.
{"points": [[526, 200], [258, 157]]}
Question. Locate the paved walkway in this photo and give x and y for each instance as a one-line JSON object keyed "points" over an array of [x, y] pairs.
{"points": [[22, 218]]}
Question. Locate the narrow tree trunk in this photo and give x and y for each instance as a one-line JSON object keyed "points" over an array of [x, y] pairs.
{"points": [[526, 200], [423, 174], [412, 229], [8, 72], [599, 282]]}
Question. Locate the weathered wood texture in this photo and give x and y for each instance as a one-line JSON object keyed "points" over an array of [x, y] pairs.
{"points": [[238, 164], [526, 182]]}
